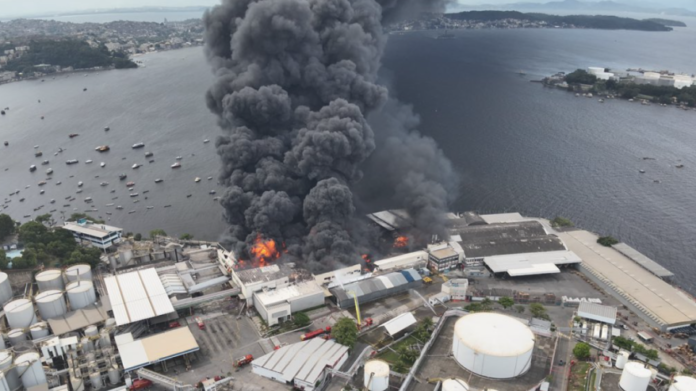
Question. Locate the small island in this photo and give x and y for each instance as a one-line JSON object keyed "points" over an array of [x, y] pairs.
{"points": [[668, 22], [660, 87]]}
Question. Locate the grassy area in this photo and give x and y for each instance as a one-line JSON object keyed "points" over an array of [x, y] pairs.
{"points": [[390, 355], [578, 376]]}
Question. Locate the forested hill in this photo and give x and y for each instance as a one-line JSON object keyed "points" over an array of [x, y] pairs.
{"points": [[579, 21]]}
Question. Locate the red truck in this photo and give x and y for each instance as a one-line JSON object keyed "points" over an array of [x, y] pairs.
{"points": [[244, 360], [315, 333], [201, 325], [139, 384]]}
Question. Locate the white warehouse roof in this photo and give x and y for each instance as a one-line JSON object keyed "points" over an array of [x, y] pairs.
{"points": [[598, 312], [137, 295], [399, 323], [289, 293], [159, 347], [96, 230], [531, 263]]}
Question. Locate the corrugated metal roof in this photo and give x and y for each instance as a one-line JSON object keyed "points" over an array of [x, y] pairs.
{"points": [[652, 266], [142, 352], [587, 310], [137, 296], [399, 323]]}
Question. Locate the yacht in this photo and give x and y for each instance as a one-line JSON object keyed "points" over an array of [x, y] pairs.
{"points": [[138, 145], [102, 164], [32, 168], [122, 177], [88, 161], [79, 184], [135, 166], [197, 179], [159, 180], [176, 165]]}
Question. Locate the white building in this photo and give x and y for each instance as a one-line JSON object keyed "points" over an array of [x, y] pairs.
{"points": [[260, 278], [342, 275], [456, 288], [98, 235], [445, 256], [275, 306], [404, 261], [597, 312]]}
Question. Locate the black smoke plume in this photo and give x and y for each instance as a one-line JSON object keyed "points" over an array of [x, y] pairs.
{"points": [[295, 80]]}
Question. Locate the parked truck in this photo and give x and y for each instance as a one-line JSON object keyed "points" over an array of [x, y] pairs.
{"points": [[315, 333], [240, 362]]}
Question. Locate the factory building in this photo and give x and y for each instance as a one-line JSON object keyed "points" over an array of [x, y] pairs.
{"points": [[255, 280], [302, 364], [415, 260], [445, 256], [276, 306], [529, 264], [456, 288], [597, 312], [493, 345], [342, 275], [392, 220], [97, 235], [375, 288], [138, 353]]}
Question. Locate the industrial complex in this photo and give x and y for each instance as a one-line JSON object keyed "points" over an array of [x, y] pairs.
{"points": [[500, 305]]}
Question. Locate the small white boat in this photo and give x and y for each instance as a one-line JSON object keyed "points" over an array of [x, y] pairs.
{"points": [[133, 194], [88, 199], [138, 145], [36, 147], [88, 161], [176, 165], [58, 183], [119, 207], [42, 191], [104, 184], [53, 201], [211, 192], [150, 207], [197, 179], [158, 180], [102, 164], [135, 166], [79, 184], [206, 141], [79, 191], [110, 204], [179, 158], [49, 171], [210, 178]]}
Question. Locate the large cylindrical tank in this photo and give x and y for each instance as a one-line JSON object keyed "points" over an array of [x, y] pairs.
{"points": [[96, 380], [81, 294], [110, 323], [39, 330], [3, 383], [114, 375], [376, 375], [51, 304], [17, 336], [10, 374], [454, 384], [91, 331], [29, 366], [622, 359], [50, 279], [635, 377], [20, 313], [493, 345], [683, 383], [87, 345], [104, 339], [5, 288], [83, 272]]}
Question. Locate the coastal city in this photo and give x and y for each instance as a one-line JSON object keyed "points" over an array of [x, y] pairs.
{"points": [[509, 302]]}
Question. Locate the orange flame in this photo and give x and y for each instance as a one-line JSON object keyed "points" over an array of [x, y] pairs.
{"points": [[366, 258], [264, 251], [400, 242]]}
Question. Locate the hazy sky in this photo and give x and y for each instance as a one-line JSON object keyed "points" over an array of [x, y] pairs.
{"points": [[28, 7]]}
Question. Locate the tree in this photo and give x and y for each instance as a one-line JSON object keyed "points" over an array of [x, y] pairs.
{"points": [[422, 331], [607, 241], [345, 332], [538, 311], [26, 261], [561, 222], [138, 237], [3, 259], [186, 237], [7, 226], [506, 302], [580, 76], [88, 255], [157, 232], [301, 319], [45, 219], [474, 307], [407, 355], [581, 351], [519, 309], [32, 232], [78, 216]]}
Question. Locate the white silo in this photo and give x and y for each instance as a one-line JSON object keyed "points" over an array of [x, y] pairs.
{"points": [[114, 374], [110, 323], [80, 294], [17, 336], [683, 383], [5, 288], [30, 369], [493, 345], [11, 373], [104, 339], [96, 380], [635, 377], [50, 279], [454, 384], [20, 313], [4, 386], [39, 330], [605, 332], [622, 359], [82, 272], [51, 304], [91, 331], [376, 375], [87, 345]]}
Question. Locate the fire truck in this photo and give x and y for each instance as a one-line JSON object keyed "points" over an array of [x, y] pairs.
{"points": [[243, 361], [315, 333]]}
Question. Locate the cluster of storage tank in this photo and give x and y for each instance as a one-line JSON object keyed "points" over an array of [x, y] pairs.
{"points": [[24, 370]]}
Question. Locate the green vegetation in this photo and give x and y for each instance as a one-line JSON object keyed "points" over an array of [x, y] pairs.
{"points": [[539, 311], [607, 241], [506, 302], [7, 226], [424, 329], [604, 22], [301, 319], [483, 306], [186, 237], [3, 259], [580, 76], [561, 222], [66, 53], [667, 22], [78, 216], [345, 332], [519, 309], [578, 376], [404, 353], [157, 232], [138, 237], [581, 351], [633, 346], [667, 370]]}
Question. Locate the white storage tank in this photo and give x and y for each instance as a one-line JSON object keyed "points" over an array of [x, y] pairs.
{"points": [[10, 374], [104, 339], [683, 383], [87, 345], [454, 384], [5, 288], [29, 366], [17, 336], [3, 383], [96, 380], [50, 279], [493, 345], [622, 359], [91, 331], [110, 323], [83, 272], [605, 332], [635, 377], [39, 330], [20, 313], [114, 375], [81, 294], [51, 304], [376, 375]]}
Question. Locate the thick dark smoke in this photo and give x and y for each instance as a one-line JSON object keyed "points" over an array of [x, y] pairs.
{"points": [[295, 80]]}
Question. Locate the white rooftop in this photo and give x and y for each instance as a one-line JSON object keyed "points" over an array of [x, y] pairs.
{"points": [[289, 292], [399, 323], [531, 263], [303, 360], [142, 352], [96, 230], [137, 296]]}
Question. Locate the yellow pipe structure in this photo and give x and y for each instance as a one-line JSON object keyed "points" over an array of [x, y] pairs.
{"points": [[357, 308]]}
